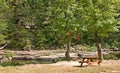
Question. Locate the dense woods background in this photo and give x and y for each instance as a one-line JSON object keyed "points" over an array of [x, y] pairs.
{"points": [[50, 24]]}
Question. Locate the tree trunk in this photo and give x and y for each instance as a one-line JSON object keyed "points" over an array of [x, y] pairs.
{"points": [[67, 56], [98, 45]]}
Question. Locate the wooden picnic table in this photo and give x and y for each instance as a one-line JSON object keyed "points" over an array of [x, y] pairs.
{"points": [[89, 60]]}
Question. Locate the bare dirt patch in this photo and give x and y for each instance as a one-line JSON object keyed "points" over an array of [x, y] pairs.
{"points": [[75, 63], [72, 64]]}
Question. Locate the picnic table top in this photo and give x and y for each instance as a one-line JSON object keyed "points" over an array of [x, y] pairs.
{"points": [[89, 57]]}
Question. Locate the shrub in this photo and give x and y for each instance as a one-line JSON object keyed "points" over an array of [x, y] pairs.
{"points": [[114, 55], [9, 54], [118, 55], [110, 56], [11, 63]]}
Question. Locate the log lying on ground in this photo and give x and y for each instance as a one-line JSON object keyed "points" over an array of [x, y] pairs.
{"points": [[41, 56], [50, 59]]}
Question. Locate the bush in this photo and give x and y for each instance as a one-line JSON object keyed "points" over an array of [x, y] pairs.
{"points": [[118, 55], [112, 56], [7, 57], [109, 56], [11, 63], [9, 54], [88, 48], [18, 63]]}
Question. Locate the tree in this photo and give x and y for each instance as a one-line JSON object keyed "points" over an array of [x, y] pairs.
{"points": [[3, 21], [99, 18], [65, 19], [16, 31]]}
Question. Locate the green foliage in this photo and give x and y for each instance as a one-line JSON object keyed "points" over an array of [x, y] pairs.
{"points": [[88, 48], [113, 55], [18, 62], [3, 21], [44, 23], [11, 64], [112, 40], [99, 15], [3, 29], [9, 54], [118, 55], [109, 56], [23, 62]]}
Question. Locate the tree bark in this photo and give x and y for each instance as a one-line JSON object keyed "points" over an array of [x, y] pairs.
{"points": [[98, 45], [67, 55]]}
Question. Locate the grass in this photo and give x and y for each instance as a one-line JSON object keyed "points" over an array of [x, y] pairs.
{"points": [[43, 68], [18, 63]]}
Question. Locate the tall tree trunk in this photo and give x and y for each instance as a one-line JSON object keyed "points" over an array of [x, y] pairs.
{"points": [[98, 45], [67, 56]]}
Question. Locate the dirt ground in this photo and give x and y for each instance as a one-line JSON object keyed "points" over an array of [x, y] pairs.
{"points": [[107, 66], [74, 63]]}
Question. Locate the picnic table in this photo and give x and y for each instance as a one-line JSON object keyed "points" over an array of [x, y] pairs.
{"points": [[89, 60]]}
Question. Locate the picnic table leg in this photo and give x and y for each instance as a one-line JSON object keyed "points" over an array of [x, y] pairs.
{"points": [[99, 61], [82, 62]]}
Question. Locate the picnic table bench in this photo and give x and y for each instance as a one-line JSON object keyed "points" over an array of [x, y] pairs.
{"points": [[89, 60]]}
